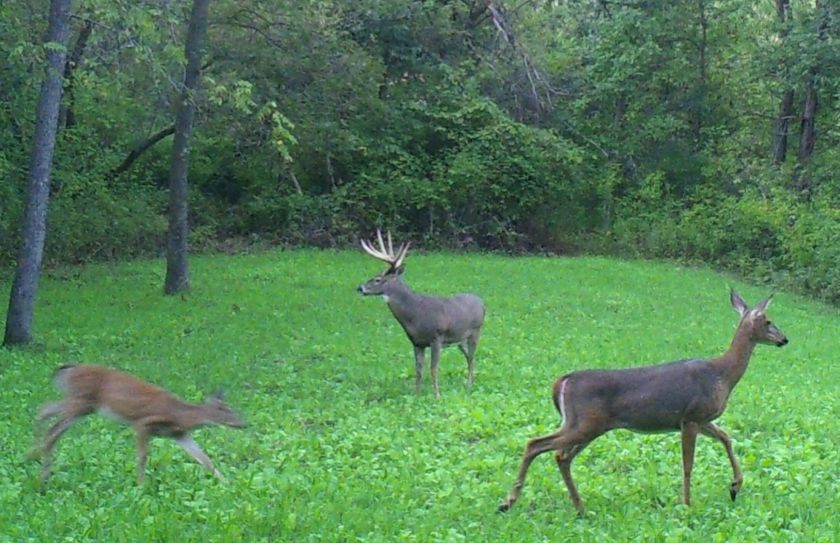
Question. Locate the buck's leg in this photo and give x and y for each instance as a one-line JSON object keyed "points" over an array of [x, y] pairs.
{"points": [[468, 347], [192, 448], [712, 430], [564, 462], [436, 347], [419, 359], [689, 439]]}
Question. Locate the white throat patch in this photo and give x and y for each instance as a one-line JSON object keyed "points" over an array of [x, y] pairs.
{"points": [[385, 297]]}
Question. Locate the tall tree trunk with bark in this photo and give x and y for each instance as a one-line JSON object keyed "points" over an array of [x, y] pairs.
{"points": [[808, 125], [66, 113], [780, 134], [30, 255], [177, 267]]}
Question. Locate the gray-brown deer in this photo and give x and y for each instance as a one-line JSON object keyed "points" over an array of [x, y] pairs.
{"points": [[684, 396], [150, 410], [428, 321]]}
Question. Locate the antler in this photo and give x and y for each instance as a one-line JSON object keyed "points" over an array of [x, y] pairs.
{"points": [[386, 254]]}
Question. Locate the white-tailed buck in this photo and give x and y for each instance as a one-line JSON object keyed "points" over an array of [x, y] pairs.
{"points": [[150, 410], [684, 396], [428, 321]]}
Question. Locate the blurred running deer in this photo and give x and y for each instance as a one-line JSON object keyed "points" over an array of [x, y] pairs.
{"points": [[428, 321], [684, 396], [151, 411]]}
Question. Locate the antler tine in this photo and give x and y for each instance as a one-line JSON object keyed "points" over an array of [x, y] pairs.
{"points": [[402, 252], [382, 245], [390, 244], [374, 253]]}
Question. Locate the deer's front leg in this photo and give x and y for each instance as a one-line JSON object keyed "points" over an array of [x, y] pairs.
{"points": [[192, 448], [713, 430], [689, 439], [419, 359], [436, 347], [142, 452]]}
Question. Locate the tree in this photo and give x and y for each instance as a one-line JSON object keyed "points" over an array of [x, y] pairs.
{"points": [[780, 136], [177, 267], [31, 252]]}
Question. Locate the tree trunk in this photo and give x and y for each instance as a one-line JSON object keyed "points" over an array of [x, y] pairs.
{"points": [[807, 128], [702, 77], [177, 268], [66, 115], [25, 284], [780, 135]]}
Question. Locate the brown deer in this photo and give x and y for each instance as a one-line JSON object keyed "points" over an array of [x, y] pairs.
{"points": [[428, 321], [150, 410], [684, 396]]}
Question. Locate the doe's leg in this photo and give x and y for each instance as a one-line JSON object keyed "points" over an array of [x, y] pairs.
{"points": [[142, 452], [689, 439], [567, 444], [564, 462], [188, 444], [713, 430], [71, 414]]}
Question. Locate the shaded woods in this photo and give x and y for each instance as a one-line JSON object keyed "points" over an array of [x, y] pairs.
{"points": [[705, 131]]}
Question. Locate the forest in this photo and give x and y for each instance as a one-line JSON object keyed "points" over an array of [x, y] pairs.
{"points": [[698, 130]]}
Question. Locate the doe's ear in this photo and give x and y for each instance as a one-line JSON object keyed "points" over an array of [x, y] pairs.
{"points": [[738, 303], [218, 395], [764, 304]]}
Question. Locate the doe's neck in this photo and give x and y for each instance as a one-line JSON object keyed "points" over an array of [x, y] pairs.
{"points": [[733, 363]]}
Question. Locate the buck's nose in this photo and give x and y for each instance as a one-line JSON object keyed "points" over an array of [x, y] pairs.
{"points": [[782, 343], [360, 289]]}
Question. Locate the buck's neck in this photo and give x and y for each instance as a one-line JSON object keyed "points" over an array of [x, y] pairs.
{"points": [[400, 298], [733, 363]]}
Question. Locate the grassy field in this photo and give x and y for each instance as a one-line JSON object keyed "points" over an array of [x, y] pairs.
{"points": [[339, 447]]}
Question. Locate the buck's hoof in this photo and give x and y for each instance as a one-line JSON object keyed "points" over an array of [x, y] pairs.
{"points": [[504, 508], [733, 491]]}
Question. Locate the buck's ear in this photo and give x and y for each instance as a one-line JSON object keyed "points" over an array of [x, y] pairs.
{"points": [[400, 270], [762, 306], [738, 303]]}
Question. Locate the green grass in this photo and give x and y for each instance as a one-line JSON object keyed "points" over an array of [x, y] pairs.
{"points": [[339, 447]]}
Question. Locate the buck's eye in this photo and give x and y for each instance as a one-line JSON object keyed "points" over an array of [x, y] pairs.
{"points": [[769, 323]]}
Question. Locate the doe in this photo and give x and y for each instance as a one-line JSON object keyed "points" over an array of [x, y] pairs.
{"points": [[152, 412], [684, 396], [428, 321]]}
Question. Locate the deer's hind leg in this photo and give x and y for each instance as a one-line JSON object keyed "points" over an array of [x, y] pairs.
{"points": [[45, 412], [69, 413], [564, 459], [567, 443], [468, 347]]}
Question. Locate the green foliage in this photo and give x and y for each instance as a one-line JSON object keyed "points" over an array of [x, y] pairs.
{"points": [[339, 448], [640, 128]]}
